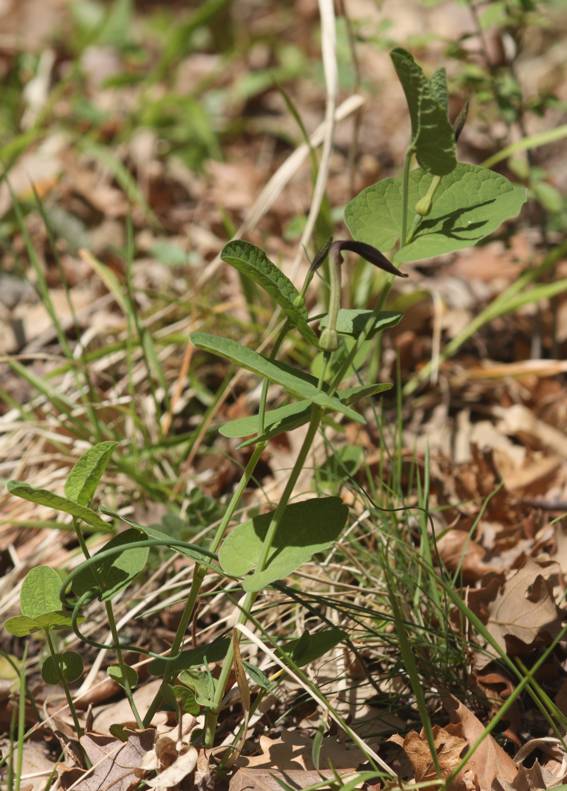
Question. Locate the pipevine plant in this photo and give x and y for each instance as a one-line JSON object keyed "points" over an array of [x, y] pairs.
{"points": [[438, 207]]}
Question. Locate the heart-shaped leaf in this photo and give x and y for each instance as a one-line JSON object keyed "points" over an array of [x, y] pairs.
{"points": [[68, 663], [294, 381], [122, 674], [85, 476], [469, 203], [113, 573], [433, 137], [40, 593], [58, 503], [254, 263], [306, 528]]}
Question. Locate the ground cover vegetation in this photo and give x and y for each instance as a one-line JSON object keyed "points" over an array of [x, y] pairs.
{"points": [[282, 405]]}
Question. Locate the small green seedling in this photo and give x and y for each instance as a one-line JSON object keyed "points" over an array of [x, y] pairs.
{"points": [[41, 612]]}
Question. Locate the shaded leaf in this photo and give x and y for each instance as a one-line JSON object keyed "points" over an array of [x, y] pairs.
{"points": [[312, 646], [69, 663], [113, 573], [85, 476], [213, 652], [254, 263], [295, 381], [350, 395], [306, 528]]}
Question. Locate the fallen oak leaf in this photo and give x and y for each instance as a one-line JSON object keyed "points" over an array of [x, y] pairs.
{"points": [[448, 746], [524, 609], [116, 765], [489, 762]]}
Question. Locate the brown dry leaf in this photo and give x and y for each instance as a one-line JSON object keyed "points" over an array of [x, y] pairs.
{"points": [[458, 551], [116, 765], [524, 608], [293, 751], [449, 747], [181, 767], [248, 779], [490, 761]]}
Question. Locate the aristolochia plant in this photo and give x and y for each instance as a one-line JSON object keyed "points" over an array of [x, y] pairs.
{"points": [[437, 207]]}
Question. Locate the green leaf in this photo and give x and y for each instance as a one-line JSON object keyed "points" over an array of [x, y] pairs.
{"points": [[187, 700], [438, 86], [312, 646], [58, 503], [87, 472], [113, 573], [353, 321], [201, 683], [192, 552], [123, 673], [295, 381], [432, 134], [253, 262], [213, 652], [306, 528], [40, 592], [69, 663], [352, 394], [21, 625], [276, 421], [469, 204], [258, 676]]}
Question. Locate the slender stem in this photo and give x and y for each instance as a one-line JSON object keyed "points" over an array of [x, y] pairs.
{"points": [[21, 719], [212, 715], [63, 682], [405, 194], [122, 664], [284, 329], [113, 628], [200, 573]]}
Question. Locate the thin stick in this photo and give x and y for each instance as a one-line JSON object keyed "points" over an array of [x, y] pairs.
{"points": [[329, 53]]}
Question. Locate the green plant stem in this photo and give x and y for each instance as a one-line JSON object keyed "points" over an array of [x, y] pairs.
{"points": [[113, 627], [213, 714], [120, 658], [64, 684], [405, 193], [21, 718], [284, 329], [200, 573]]}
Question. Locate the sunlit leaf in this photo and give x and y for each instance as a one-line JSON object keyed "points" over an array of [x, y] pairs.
{"points": [[295, 381], [85, 476], [469, 203], [58, 503], [254, 263], [306, 528]]}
